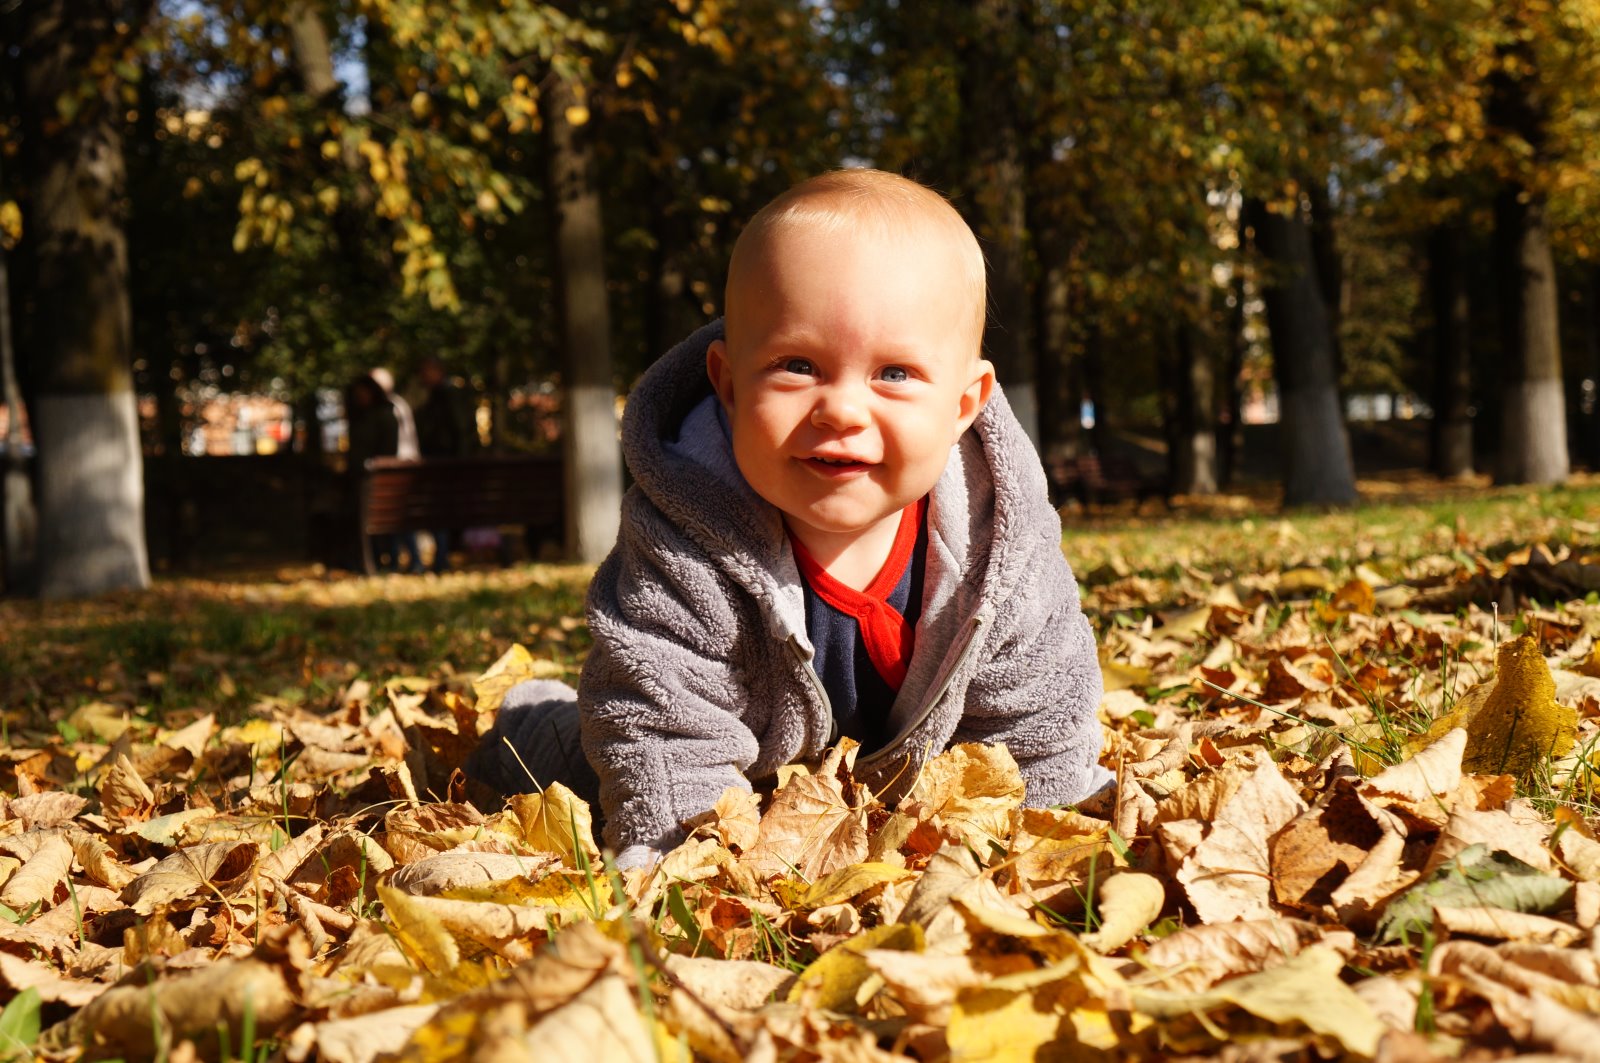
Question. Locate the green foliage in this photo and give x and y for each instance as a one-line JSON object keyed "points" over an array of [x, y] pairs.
{"points": [[19, 1025]]}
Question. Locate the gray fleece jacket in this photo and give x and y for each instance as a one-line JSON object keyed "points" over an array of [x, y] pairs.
{"points": [[700, 675]]}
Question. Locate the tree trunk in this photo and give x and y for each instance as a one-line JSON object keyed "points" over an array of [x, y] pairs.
{"points": [[996, 199], [1059, 425], [1451, 440], [1230, 427], [85, 423], [1317, 466], [1193, 435], [21, 520], [593, 459], [1533, 409]]}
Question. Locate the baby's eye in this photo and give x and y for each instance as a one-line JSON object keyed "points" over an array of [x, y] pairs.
{"points": [[894, 374], [799, 366]]}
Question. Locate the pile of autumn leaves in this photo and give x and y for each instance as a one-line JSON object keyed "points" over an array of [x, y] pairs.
{"points": [[1290, 869]]}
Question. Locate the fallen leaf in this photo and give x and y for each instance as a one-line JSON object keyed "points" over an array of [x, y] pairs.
{"points": [[1476, 877], [972, 789], [1127, 903], [835, 978], [600, 1023], [1305, 990], [456, 869], [213, 866], [41, 874], [557, 821], [812, 826], [849, 882], [1198, 957], [1229, 874], [514, 666], [1502, 925], [1513, 722], [124, 1021], [364, 1038]]}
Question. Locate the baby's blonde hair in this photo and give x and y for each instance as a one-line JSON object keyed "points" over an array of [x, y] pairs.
{"points": [[843, 202]]}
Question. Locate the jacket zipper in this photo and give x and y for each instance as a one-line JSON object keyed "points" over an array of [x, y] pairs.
{"points": [[822, 691], [970, 642]]}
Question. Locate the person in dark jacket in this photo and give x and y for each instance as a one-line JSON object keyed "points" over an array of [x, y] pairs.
{"points": [[445, 429], [837, 529]]}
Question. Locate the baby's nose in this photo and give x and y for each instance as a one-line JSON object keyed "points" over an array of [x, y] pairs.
{"points": [[840, 407]]}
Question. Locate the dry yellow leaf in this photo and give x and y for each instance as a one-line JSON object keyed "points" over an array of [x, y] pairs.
{"points": [[557, 821], [515, 665], [1513, 721], [1128, 902], [852, 881], [420, 932], [838, 975], [972, 789], [1354, 597]]}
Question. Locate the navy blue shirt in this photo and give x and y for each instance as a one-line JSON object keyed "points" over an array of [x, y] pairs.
{"points": [[860, 697]]}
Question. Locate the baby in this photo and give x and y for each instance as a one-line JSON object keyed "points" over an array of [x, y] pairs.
{"points": [[837, 528]]}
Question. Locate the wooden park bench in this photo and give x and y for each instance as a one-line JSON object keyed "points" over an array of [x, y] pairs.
{"points": [[1099, 478], [460, 493]]}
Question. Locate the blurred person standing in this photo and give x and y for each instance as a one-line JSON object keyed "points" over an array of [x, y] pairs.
{"points": [[445, 429], [406, 449]]}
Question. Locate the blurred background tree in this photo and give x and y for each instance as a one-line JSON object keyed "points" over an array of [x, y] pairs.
{"points": [[1192, 213]]}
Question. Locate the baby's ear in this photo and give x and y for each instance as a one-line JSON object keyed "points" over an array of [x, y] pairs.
{"points": [[976, 395], [720, 370]]}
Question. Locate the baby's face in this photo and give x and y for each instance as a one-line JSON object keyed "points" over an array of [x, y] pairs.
{"points": [[850, 369]]}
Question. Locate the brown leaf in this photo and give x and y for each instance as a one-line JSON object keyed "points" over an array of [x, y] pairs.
{"points": [[971, 788], [1422, 789], [191, 1006], [452, 870], [1127, 903], [1313, 855], [1522, 836], [1229, 875], [18, 974], [41, 874], [740, 984], [1498, 924], [1198, 957], [46, 810], [602, 1022], [123, 793], [98, 861], [212, 866], [815, 824], [735, 820], [366, 1037]]}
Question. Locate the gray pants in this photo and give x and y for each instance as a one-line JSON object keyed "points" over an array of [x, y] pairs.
{"points": [[534, 742]]}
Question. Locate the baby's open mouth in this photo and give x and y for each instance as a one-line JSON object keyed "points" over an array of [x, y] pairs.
{"points": [[838, 463]]}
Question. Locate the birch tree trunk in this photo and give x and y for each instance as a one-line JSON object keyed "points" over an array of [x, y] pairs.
{"points": [[85, 423], [1533, 408], [21, 528], [1317, 465], [593, 457], [1193, 465]]}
